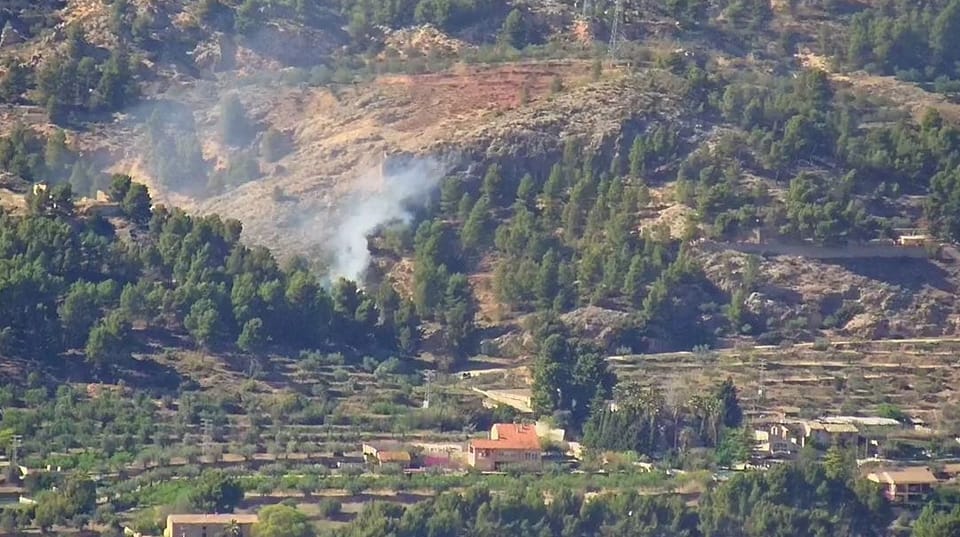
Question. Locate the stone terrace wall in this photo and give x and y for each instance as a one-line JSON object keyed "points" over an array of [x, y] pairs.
{"points": [[851, 251]]}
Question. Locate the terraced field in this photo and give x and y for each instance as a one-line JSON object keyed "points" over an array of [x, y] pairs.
{"points": [[919, 376]]}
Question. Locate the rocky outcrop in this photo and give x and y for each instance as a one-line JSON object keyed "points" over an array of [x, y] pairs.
{"points": [[595, 323], [879, 299], [867, 326], [604, 118], [218, 54]]}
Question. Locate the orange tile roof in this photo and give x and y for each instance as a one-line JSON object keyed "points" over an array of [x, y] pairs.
{"points": [[511, 436]]}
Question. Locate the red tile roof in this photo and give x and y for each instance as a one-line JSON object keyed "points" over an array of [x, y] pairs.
{"points": [[511, 436]]}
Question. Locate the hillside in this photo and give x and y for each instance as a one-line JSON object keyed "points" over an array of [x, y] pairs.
{"points": [[231, 115], [279, 257]]}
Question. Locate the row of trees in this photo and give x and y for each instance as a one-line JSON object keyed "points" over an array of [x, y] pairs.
{"points": [[800, 500], [75, 500], [651, 421]]}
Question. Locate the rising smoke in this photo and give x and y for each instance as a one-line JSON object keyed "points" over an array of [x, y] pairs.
{"points": [[404, 186]]}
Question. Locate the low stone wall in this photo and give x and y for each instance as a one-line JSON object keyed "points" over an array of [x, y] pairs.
{"points": [[852, 251]]}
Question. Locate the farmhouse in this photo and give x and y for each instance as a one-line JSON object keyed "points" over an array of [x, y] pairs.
{"points": [[209, 525], [826, 434], [510, 444], [905, 485], [775, 441]]}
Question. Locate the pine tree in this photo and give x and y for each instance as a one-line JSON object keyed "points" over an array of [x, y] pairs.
{"points": [[551, 375], [493, 185], [527, 191], [451, 192], [252, 337], [638, 157], [634, 285], [475, 232], [546, 287], [234, 125], [459, 311], [56, 155], [513, 33], [464, 206]]}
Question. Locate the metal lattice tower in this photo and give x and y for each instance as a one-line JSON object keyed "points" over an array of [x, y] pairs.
{"points": [[429, 376], [15, 455], [761, 394], [615, 37], [207, 425]]}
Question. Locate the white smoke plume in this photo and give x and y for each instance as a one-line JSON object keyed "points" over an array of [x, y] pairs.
{"points": [[404, 186]]}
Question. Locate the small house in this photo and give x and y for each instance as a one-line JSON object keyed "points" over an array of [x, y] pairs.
{"points": [[775, 441], [905, 485], [509, 445], [826, 434], [208, 525]]}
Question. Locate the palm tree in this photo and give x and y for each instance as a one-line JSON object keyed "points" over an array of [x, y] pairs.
{"points": [[677, 398], [714, 415], [652, 402], [698, 404], [232, 530], [686, 437]]}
